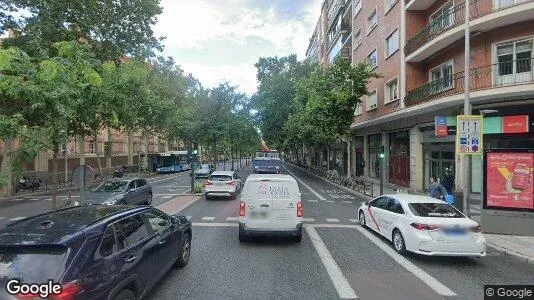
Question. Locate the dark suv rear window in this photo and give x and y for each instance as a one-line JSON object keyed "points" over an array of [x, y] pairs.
{"points": [[434, 210], [220, 178], [32, 264], [267, 162]]}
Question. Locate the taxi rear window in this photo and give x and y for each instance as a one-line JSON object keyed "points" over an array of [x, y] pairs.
{"points": [[434, 210], [272, 190]]}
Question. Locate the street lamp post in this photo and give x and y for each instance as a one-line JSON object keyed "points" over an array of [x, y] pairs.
{"points": [[466, 163]]}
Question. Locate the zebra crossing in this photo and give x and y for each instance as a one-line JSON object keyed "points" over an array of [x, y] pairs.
{"points": [[211, 219]]}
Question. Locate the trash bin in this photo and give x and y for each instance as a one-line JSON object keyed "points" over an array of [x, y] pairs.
{"points": [[459, 200]]}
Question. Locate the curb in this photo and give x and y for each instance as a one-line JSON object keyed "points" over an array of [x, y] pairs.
{"points": [[507, 251], [337, 185]]}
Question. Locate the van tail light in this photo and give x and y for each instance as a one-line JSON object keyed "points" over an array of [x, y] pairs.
{"points": [[68, 291], [476, 229], [242, 209], [299, 209], [208, 182], [232, 183], [420, 226]]}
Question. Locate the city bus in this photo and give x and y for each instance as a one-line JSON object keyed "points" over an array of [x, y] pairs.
{"points": [[172, 162]]}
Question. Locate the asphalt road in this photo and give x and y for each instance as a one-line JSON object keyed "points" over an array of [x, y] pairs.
{"points": [[337, 258], [164, 188]]}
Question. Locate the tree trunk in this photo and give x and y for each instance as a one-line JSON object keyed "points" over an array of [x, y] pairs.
{"points": [[95, 139], [6, 166], [145, 161], [232, 157], [215, 152], [54, 176]]}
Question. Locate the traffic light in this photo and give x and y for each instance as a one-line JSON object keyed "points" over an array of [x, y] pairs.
{"points": [[381, 154]]}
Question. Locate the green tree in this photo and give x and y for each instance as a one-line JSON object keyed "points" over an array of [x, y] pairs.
{"points": [[112, 28]]}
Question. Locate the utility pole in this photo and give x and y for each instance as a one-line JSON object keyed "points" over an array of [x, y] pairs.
{"points": [[466, 162], [381, 157], [190, 158]]}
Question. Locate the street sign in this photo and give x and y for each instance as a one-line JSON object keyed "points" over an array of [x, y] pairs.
{"points": [[83, 175], [469, 136]]}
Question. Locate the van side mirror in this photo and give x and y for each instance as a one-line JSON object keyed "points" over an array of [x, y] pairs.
{"points": [[367, 203]]}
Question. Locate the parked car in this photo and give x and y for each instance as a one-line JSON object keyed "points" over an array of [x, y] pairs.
{"points": [[270, 205], [423, 225], [95, 252], [120, 191], [204, 171], [222, 183]]}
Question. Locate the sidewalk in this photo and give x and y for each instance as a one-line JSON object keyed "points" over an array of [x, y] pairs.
{"points": [[520, 246]]}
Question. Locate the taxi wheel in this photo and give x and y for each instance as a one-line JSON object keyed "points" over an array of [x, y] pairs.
{"points": [[208, 197], [362, 219], [242, 237], [297, 238], [398, 242]]}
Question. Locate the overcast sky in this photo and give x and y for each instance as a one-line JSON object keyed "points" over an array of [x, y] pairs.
{"points": [[221, 40]]}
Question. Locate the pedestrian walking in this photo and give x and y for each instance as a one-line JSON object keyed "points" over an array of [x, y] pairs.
{"points": [[436, 190]]}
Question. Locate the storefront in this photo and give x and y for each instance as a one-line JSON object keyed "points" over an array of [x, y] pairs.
{"points": [[359, 162], [504, 174], [439, 162], [399, 158], [338, 158], [374, 143]]}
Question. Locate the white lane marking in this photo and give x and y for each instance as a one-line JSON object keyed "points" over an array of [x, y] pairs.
{"points": [[315, 201], [207, 218], [17, 218], [2, 218], [308, 220], [232, 219], [216, 224], [166, 197], [330, 201], [333, 220], [307, 186], [432, 282], [343, 288], [189, 217], [348, 202], [354, 221], [325, 225]]}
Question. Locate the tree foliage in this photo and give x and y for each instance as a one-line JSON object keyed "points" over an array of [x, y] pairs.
{"points": [[112, 28]]}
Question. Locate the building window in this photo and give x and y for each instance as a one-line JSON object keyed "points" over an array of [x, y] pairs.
{"points": [[357, 38], [514, 62], [372, 21], [392, 90], [374, 142], [357, 6], [392, 43], [389, 4], [499, 4], [442, 19], [358, 110], [372, 59], [371, 101], [441, 77]]}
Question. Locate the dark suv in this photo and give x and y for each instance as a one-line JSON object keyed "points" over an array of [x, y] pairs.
{"points": [[94, 252]]}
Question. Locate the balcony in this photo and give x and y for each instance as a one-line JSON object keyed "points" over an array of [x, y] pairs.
{"points": [[418, 4], [334, 11], [502, 79], [449, 28]]}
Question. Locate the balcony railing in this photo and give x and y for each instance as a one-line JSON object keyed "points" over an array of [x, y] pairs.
{"points": [[456, 17], [508, 73]]}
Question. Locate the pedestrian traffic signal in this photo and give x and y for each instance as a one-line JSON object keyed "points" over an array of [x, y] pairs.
{"points": [[195, 152], [381, 154]]}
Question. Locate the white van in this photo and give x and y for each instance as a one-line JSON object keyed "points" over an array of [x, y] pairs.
{"points": [[270, 205]]}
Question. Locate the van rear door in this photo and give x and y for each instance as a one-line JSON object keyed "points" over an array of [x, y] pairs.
{"points": [[272, 204]]}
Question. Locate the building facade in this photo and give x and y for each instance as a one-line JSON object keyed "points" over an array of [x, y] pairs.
{"points": [[418, 48]]}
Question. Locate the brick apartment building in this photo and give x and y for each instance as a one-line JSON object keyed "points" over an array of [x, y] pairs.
{"points": [[418, 47]]}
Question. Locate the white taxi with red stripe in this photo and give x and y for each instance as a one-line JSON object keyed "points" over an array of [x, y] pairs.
{"points": [[270, 205], [423, 225]]}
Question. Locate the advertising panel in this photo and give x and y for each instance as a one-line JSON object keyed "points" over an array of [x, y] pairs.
{"points": [[509, 180]]}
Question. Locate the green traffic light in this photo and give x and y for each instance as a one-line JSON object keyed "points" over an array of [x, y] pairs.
{"points": [[382, 155], [195, 152]]}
